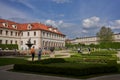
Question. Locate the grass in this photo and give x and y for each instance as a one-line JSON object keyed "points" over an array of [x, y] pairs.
{"points": [[76, 60], [8, 61]]}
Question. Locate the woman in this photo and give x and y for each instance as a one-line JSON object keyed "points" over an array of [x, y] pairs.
{"points": [[32, 51]]}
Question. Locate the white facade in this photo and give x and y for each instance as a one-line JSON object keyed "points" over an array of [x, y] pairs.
{"points": [[9, 36], [92, 40], [40, 35]]}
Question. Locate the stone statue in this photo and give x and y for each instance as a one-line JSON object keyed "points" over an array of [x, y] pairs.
{"points": [[29, 44], [29, 41]]}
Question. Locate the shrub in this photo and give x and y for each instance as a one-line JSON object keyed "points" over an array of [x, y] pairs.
{"points": [[103, 53], [50, 60], [66, 70], [9, 46]]}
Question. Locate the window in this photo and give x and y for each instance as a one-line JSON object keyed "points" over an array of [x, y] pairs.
{"points": [[43, 33], [5, 24], [6, 32], [11, 41], [22, 34], [11, 33], [15, 33], [15, 42], [34, 42], [6, 41], [28, 34], [50, 29], [34, 33], [21, 42], [55, 30], [47, 34], [29, 26], [0, 41], [14, 26], [1, 32]]}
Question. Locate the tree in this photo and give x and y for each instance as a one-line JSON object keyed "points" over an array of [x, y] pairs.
{"points": [[105, 35]]}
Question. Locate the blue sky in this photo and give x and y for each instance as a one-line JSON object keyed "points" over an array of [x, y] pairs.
{"points": [[75, 18]]}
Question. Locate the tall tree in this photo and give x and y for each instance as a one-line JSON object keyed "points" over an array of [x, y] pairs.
{"points": [[105, 35]]}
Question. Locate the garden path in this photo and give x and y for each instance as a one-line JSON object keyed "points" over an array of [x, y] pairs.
{"points": [[59, 54]]}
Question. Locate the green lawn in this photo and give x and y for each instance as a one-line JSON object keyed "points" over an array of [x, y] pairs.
{"points": [[8, 61]]}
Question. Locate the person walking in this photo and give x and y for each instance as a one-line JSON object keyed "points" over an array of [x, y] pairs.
{"points": [[52, 52], [32, 51], [39, 54], [89, 50], [78, 50]]}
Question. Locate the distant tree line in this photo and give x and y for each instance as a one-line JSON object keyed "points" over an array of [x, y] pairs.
{"points": [[108, 45], [105, 39]]}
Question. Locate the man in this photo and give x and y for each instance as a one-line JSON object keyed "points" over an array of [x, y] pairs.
{"points": [[52, 51], [39, 53], [32, 51]]}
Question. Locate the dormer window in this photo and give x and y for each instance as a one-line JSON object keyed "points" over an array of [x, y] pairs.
{"points": [[29, 26], [55, 29], [5, 24], [50, 29], [14, 26]]}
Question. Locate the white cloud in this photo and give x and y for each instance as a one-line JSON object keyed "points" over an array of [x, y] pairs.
{"points": [[59, 23], [91, 22], [61, 1], [84, 31], [115, 24], [54, 23], [51, 22]]}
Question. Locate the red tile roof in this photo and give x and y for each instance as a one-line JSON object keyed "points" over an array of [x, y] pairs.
{"points": [[24, 26]]}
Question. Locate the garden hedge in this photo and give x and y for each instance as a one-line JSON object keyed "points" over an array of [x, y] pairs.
{"points": [[66, 70], [8, 46]]}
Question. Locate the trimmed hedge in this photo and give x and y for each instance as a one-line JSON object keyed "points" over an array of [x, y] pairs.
{"points": [[95, 57], [66, 70], [9, 46], [49, 61], [103, 53]]}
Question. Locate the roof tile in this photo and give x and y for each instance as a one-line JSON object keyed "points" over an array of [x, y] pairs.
{"points": [[24, 26]]}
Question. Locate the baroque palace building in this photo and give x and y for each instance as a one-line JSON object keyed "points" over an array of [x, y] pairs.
{"points": [[92, 40], [40, 34]]}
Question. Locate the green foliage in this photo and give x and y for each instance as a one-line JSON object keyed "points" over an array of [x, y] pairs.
{"points": [[67, 69], [105, 35], [69, 45], [8, 61], [9, 46], [103, 53], [113, 45], [78, 65], [103, 45], [102, 56], [50, 60], [106, 45]]}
